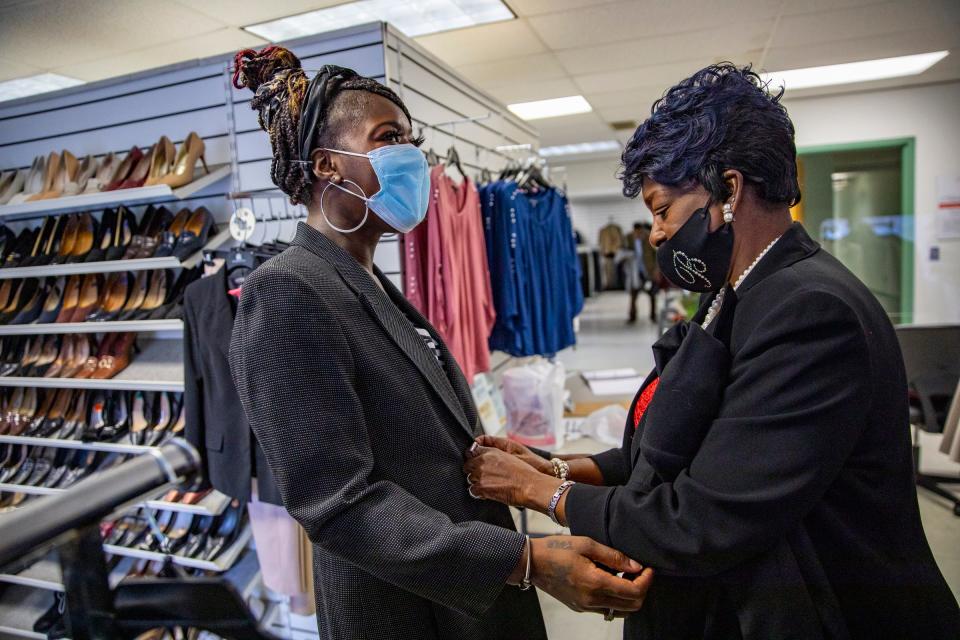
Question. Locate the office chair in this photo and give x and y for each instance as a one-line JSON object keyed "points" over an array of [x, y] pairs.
{"points": [[931, 355]]}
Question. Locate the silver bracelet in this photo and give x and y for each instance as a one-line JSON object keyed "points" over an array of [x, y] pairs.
{"points": [[525, 584], [560, 468], [555, 500]]}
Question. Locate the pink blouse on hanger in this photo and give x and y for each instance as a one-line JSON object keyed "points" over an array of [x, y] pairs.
{"points": [[447, 277]]}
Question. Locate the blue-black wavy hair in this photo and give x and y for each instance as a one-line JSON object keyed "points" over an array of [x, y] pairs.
{"points": [[722, 117]]}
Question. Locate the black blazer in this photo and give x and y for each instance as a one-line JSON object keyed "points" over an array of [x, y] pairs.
{"points": [[215, 422], [365, 433], [798, 515]]}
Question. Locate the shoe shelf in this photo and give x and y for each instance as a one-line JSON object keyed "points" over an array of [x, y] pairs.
{"points": [[107, 447], [20, 608], [111, 266], [103, 199], [120, 326], [158, 367], [223, 562], [42, 574], [29, 490], [211, 505]]}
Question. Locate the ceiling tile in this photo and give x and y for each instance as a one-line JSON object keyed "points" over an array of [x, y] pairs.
{"points": [[497, 41], [903, 43], [584, 127], [10, 70], [875, 21], [83, 31], [539, 66], [637, 112], [209, 44], [510, 92], [617, 21], [534, 7], [657, 77], [707, 44], [242, 14]]}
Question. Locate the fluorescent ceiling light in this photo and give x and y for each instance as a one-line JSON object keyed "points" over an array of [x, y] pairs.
{"points": [[851, 72], [583, 147], [551, 108], [32, 85], [412, 17]]}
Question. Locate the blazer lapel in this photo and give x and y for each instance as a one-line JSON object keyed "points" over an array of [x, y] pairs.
{"points": [[794, 245], [379, 305]]}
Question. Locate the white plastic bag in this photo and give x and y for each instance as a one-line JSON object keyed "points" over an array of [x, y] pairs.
{"points": [[606, 425], [533, 395]]}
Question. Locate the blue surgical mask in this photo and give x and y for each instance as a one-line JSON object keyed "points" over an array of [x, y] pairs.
{"points": [[404, 179]]}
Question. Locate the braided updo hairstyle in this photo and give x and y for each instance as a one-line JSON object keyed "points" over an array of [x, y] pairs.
{"points": [[281, 94]]}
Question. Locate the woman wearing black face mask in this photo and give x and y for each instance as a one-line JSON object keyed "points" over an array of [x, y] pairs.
{"points": [[361, 412], [766, 468]]}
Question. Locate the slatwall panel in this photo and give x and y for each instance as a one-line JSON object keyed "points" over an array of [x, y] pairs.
{"points": [[435, 93]]}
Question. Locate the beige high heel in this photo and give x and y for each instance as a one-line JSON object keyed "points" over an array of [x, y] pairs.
{"points": [[61, 170], [85, 172], [33, 183], [191, 150], [164, 161], [103, 174]]}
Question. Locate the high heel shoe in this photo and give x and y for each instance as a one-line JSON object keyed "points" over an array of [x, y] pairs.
{"points": [[21, 248], [89, 297], [14, 185], [64, 357], [156, 295], [48, 355], [83, 347], [140, 171], [191, 150], [61, 169], [163, 421], [123, 233], [67, 239], [163, 161], [24, 296], [33, 182], [86, 169], [195, 234], [124, 169], [34, 306], [168, 238], [42, 238], [32, 349], [137, 295], [83, 242], [115, 294], [53, 303], [71, 296], [43, 412], [104, 237], [139, 424], [105, 170]]}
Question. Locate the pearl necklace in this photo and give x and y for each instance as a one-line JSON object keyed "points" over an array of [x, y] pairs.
{"points": [[718, 301]]}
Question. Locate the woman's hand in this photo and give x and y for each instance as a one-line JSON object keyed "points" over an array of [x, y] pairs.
{"points": [[494, 474], [567, 568], [516, 449]]}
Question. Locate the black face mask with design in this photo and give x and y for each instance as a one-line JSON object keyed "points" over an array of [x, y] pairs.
{"points": [[694, 258]]}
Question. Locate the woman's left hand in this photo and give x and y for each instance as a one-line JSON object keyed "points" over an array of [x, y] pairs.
{"points": [[496, 475]]}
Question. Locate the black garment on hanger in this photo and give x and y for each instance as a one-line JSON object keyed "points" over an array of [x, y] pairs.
{"points": [[216, 423]]}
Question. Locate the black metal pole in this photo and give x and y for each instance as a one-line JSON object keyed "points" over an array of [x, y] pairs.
{"points": [[92, 499]]}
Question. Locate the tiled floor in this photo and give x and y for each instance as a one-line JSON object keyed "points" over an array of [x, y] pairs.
{"points": [[606, 341]]}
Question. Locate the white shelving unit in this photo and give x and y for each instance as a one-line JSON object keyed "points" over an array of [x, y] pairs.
{"points": [[20, 608], [103, 199], [221, 564], [119, 326], [158, 367], [43, 574], [111, 266]]}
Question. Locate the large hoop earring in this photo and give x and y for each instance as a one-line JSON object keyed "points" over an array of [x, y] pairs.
{"points": [[366, 213]]}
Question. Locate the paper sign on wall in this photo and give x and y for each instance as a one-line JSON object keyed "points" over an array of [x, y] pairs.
{"points": [[948, 207]]}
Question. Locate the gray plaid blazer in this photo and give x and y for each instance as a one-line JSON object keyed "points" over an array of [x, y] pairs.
{"points": [[365, 434]]}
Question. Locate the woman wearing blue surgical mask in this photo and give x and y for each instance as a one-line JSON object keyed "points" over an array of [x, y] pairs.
{"points": [[362, 413]]}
